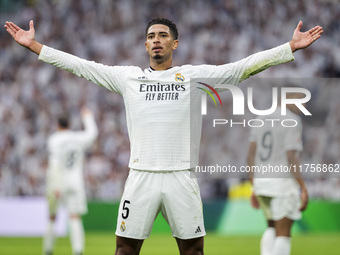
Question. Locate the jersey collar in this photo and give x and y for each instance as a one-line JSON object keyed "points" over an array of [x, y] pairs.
{"points": [[150, 69]]}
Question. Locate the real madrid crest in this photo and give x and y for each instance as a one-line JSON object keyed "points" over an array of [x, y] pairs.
{"points": [[179, 77], [122, 226]]}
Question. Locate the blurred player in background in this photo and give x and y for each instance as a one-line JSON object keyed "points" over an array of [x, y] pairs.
{"points": [[65, 181], [158, 101], [282, 198]]}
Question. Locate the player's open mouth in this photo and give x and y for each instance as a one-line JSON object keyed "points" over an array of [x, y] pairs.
{"points": [[157, 48]]}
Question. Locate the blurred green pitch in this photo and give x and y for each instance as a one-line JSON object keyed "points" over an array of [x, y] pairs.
{"points": [[103, 243]]}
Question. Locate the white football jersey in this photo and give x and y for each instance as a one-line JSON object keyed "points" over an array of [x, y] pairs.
{"points": [[272, 143], [66, 155], [163, 113]]}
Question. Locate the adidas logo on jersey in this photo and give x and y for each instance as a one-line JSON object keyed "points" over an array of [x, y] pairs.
{"points": [[142, 78], [198, 230]]}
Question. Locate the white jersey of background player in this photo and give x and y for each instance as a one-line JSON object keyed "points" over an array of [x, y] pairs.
{"points": [[158, 113], [65, 181], [272, 143], [278, 193]]}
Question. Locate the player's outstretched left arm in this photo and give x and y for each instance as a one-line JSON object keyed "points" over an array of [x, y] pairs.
{"points": [[260, 61], [301, 40]]}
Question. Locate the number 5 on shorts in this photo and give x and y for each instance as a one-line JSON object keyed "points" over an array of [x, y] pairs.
{"points": [[125, 214]]}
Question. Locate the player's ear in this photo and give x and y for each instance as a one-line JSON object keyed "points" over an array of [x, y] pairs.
{"points": [[175, 44], [146, 46]]}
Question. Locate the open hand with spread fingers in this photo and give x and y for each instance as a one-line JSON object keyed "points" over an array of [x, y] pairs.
{"points": [[24, 38], [302, 40]]}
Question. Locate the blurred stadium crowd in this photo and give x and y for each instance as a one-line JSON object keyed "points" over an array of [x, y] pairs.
{"points": [[112, 32]]}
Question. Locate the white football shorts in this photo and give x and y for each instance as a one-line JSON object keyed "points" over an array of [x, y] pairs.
{"points": [[174, 193], [277, 208], [74, 200]]}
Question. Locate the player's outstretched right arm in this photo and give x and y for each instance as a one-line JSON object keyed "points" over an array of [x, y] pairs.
{"points": [[99, 74], [24, 38]]}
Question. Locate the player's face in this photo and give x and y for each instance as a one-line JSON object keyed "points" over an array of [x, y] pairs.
{"points": [[159, 42]]}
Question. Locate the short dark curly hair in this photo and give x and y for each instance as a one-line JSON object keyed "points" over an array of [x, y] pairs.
{"points": [[166, 22], [63, 120]]}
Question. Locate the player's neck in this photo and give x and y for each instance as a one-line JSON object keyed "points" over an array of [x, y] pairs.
{"points": [[160, 65]]}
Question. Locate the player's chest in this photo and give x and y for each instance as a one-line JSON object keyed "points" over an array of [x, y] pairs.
{"points": [[155, 90]]}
